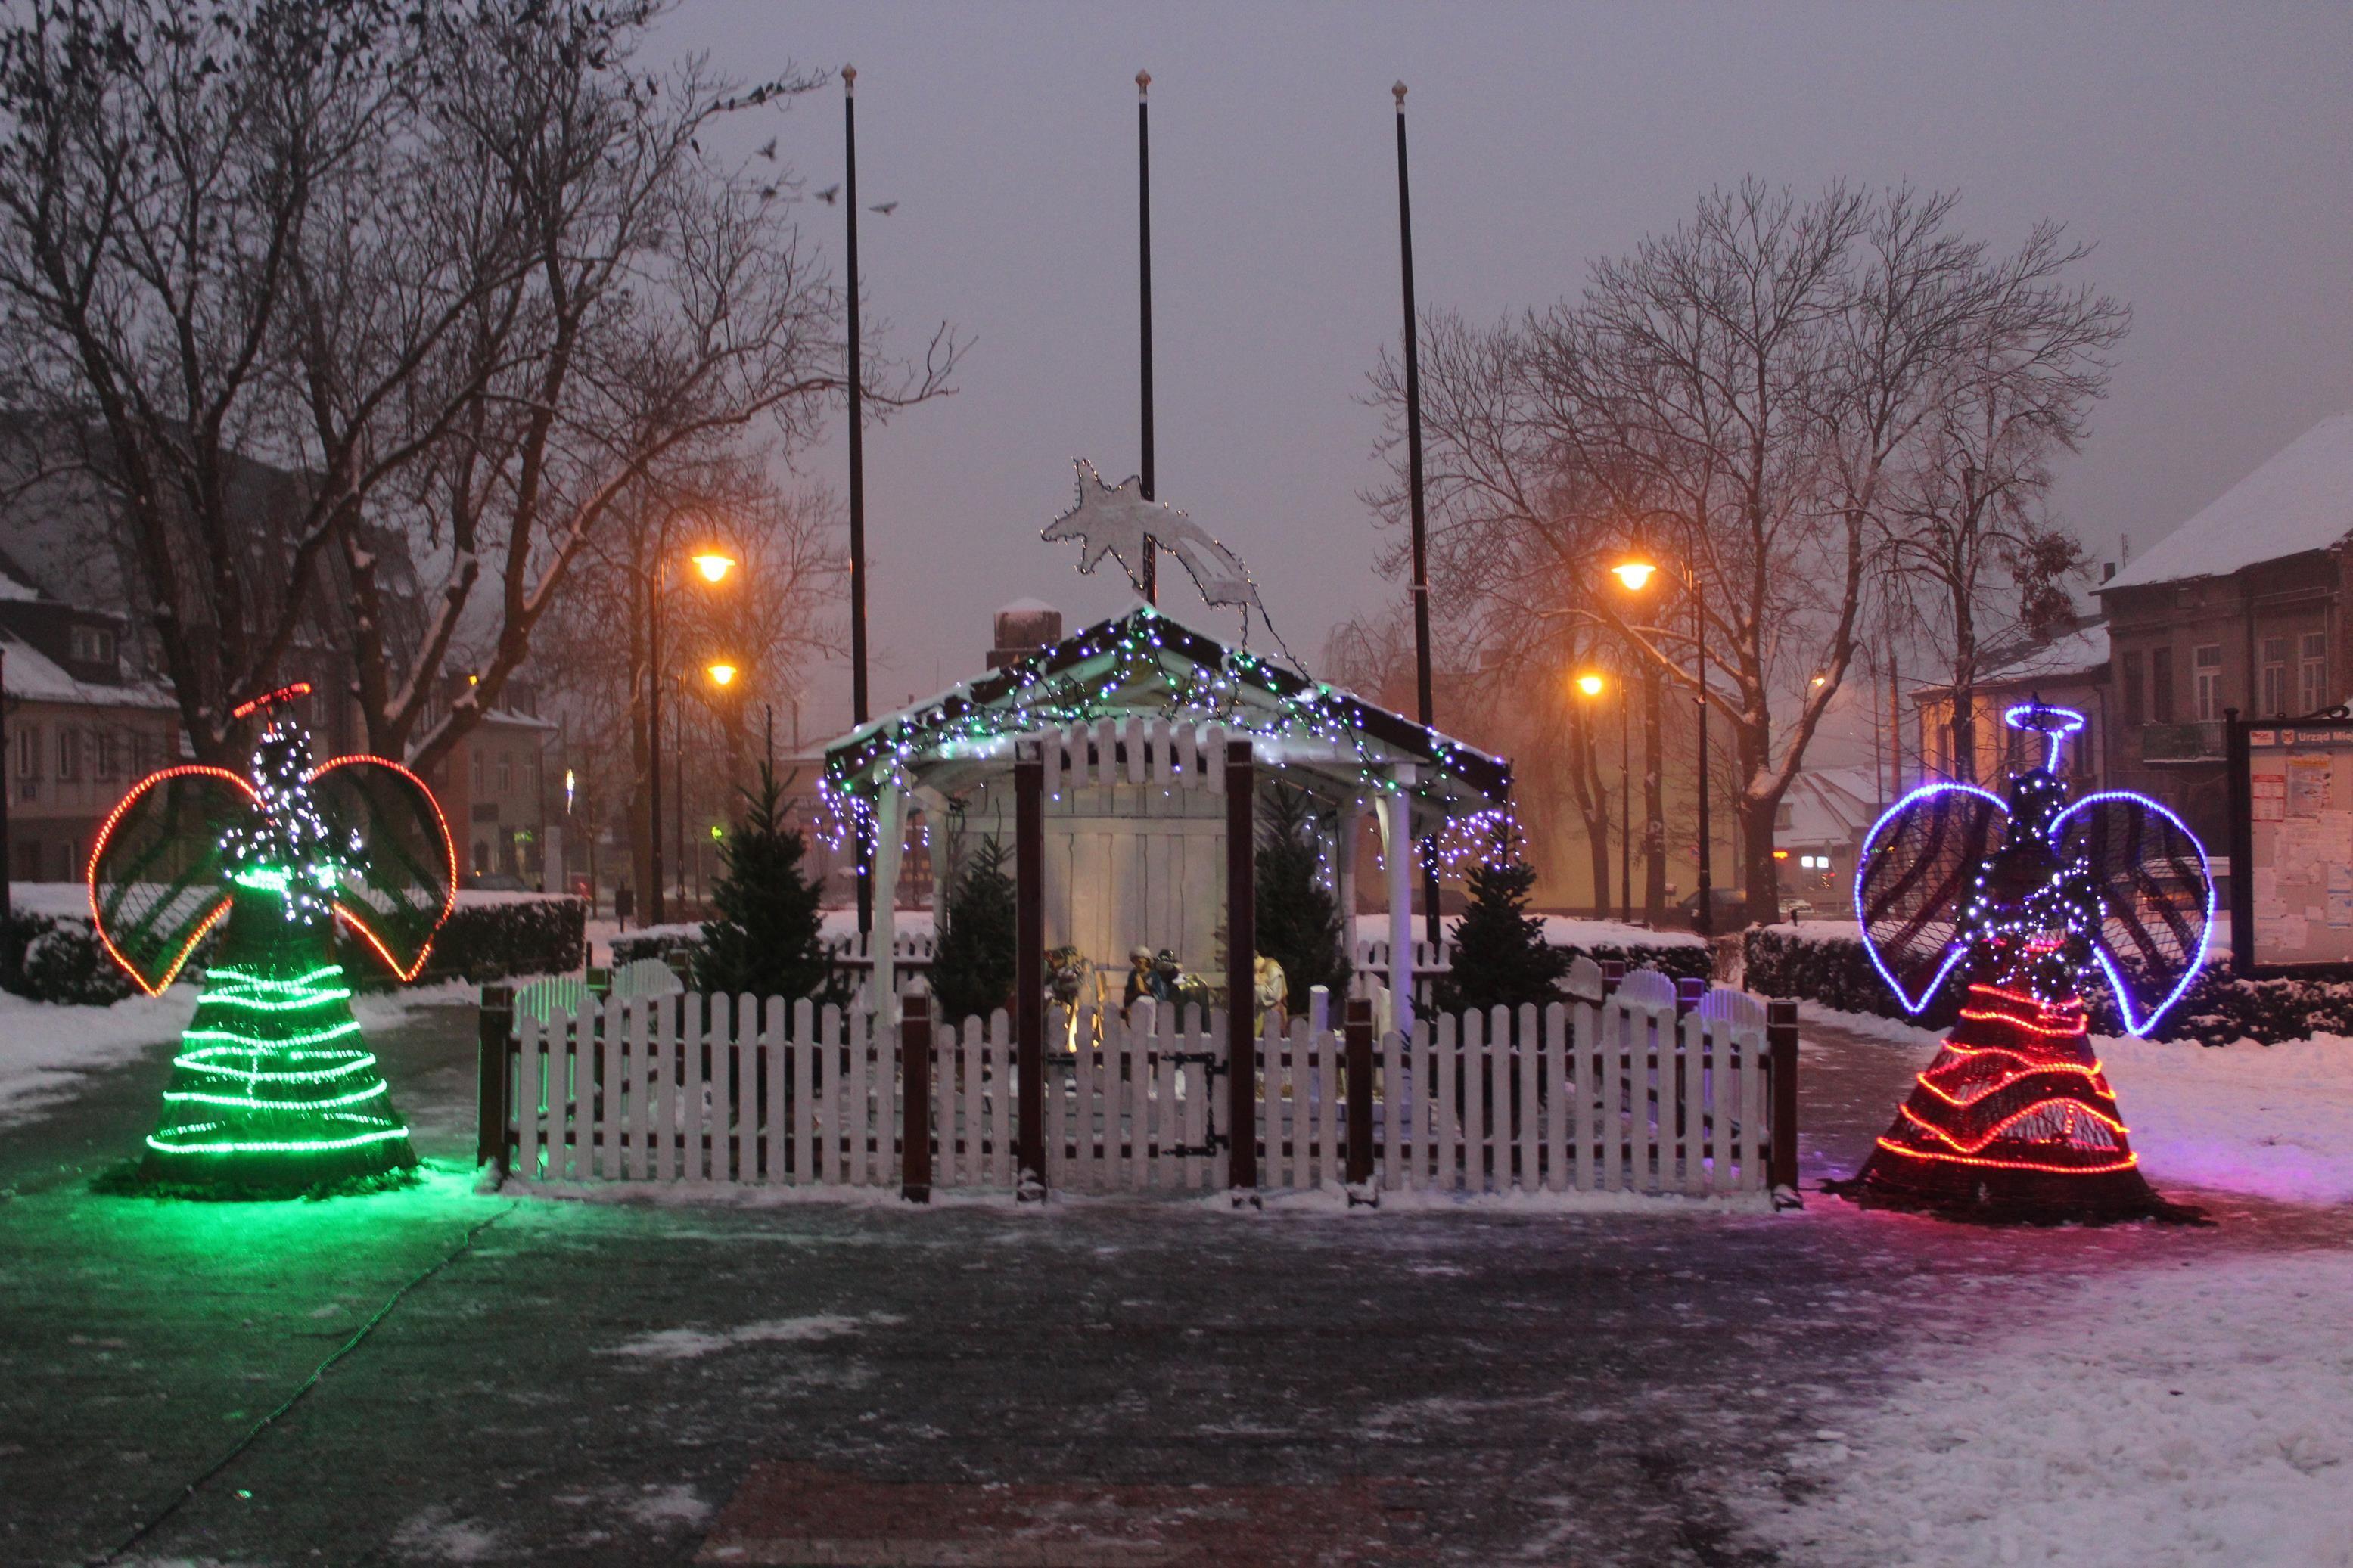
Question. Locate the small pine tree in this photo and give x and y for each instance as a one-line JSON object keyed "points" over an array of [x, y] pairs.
{"points": [[1501, 957], [1298, 920], [972, 968], [767, 938]]}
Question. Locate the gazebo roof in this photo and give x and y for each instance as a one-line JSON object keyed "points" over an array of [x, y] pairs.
{"points": [[1145, 665]]}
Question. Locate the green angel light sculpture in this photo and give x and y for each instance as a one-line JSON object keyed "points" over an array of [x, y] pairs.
{"points": [[273, 1093]]}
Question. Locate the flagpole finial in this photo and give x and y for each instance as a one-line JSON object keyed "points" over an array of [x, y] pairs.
{"points": [[850, 80], [1398, 90], [1143, 83]]}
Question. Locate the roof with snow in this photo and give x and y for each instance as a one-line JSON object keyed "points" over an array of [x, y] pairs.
{"points": [[2083, 651], [1830, 806], [33, 676], [2302, 499], [1145, 665]]}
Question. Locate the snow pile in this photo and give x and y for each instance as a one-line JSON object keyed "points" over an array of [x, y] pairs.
{"points": [[43, 1049], [2275, 1120], [2175, 1416]]}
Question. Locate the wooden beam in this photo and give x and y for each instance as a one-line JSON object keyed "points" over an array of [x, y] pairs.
{"points": [[1030, 968], [1241, 947]]}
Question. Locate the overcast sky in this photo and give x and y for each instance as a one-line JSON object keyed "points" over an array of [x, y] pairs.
{"points": [[2207, 151]]}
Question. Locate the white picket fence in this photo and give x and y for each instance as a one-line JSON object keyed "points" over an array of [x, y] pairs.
{"points": [[1618, 1097]]}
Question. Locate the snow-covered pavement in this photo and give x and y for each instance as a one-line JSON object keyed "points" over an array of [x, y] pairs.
{"points": [[2150, 1410]]}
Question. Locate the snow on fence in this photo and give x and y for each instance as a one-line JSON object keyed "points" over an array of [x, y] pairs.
{"points": [[1642, 1093]]}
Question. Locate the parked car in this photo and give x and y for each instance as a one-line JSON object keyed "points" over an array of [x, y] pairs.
{"points": [[1796, 908], [1728, 905]]}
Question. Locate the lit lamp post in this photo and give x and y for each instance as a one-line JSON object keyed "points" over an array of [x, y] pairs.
{"points": [[1592, 685], [1635, 574], [713, 567]]}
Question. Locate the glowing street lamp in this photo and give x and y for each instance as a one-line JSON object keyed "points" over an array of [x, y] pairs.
{"points": [[721, 674], [714, 566], [1590, 684], [1635, 574]]}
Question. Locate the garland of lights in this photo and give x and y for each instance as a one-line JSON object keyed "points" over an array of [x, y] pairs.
{"points": [[273, 1091], [1080, 681], [2025, 898]]}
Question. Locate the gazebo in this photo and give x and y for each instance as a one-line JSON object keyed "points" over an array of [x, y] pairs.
{"points": [[1125, 761]]}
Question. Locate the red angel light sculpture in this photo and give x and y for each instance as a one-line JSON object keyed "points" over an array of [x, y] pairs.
{"points": [[2022, 900], [273, 1091]]}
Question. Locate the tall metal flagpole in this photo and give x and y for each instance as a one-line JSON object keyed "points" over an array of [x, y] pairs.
{"points": [[1413, 481], [858, 707], [1143, 266]]}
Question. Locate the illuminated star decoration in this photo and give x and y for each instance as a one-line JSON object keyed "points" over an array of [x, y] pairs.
{"points": [[1118, 521]]}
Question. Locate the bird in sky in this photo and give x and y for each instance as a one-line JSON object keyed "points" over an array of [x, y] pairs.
{"points": [[828, 194], [885, 208]]}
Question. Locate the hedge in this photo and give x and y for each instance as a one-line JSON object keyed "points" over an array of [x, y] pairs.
{"points": [[57, 958], [1830, 966]]}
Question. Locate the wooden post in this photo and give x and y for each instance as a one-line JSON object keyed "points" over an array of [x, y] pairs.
{"points": [[1781, 1044], [1359, 1068], [494, 1107], [1241, 947], [916, 1099], [1030, 967], [1613, 972]]}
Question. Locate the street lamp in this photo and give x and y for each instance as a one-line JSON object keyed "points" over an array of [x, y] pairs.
{"points": [[1635, 572], [712, 565], [1591, 684], [721, 674]]}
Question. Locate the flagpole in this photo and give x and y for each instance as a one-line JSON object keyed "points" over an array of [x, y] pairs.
{"points": [[858, 697], [1143, 279], [1414, 485]]}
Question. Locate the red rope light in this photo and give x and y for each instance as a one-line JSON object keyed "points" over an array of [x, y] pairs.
{"points": [[299, 688], [2127, 1163], [449, 854], [97, 849]]}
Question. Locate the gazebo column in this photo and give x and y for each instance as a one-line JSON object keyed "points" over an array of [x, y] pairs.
{"points": [[1242, 988], [890, 830], [1343, 879], [1030, 968], [1397, 852]]}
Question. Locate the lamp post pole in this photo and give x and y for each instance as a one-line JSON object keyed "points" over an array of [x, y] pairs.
{"points": [[1705, 922], [1414, 486], [653, 733], [1625, 811], [1146, 478], [858, 695]]}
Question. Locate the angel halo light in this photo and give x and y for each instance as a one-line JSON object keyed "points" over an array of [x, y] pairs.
{"points": [[2021, 899], [273, 1093]]}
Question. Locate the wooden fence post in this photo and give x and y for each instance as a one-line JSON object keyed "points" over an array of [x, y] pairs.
{"points": [[1241, 990], [1613, 970], [1781, 1046], [1030, 967], [916, 1099], [1359, 1070], [493, 1110]]}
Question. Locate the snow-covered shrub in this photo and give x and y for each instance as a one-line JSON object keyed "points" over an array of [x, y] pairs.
{"points": [[659, 941], [1827, 965], [493, 940], [57, 960]]}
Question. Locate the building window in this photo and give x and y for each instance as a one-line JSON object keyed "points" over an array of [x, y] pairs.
{"points": [[2134, 713], [2206, 681], [28, 751], [68, 753], [2314, 672], [506, 774], [2273, 700], [91, 645], [104, 746], [478, 772], [2160, 685]]}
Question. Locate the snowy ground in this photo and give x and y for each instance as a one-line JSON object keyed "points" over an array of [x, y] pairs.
{"points": [[47, 1051], [2157, 1413]]}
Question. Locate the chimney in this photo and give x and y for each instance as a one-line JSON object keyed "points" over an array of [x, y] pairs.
{"points": [[2107, 570], [1023, 627]]}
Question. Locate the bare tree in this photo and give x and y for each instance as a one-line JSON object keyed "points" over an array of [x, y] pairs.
{"points": [[1746, 399], [459, 276], [1974, 550]]}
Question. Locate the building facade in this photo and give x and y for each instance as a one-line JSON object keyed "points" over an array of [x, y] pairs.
{"points": [[2241, 608], [2072, 670], [78, 731]]}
